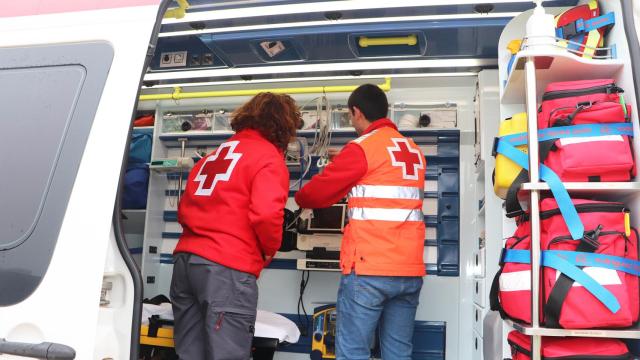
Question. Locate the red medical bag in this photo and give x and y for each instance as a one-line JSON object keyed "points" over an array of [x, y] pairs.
{"points": [[607, 157], [585, 135], [567, 94], [571, 348], [606, 258]]}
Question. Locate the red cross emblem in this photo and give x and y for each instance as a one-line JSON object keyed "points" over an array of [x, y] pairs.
{"points": [[217, 167], [402, 155]]}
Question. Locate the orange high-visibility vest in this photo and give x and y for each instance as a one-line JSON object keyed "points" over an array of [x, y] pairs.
{"points": [[386, 232]]}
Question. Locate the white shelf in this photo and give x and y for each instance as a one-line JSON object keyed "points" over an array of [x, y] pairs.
{"points": [[592, 187], [629, 333], [553, 66], [196, 134]]}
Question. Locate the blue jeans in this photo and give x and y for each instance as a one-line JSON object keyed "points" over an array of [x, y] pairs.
{"points": [[366, 301]]}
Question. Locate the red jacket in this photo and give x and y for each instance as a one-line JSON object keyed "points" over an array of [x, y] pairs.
{"points": [[233, 205], [342, 174]]}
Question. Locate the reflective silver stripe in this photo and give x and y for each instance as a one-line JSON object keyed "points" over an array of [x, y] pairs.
{"points": [[385, 214], [361, 138], [387, 192]]}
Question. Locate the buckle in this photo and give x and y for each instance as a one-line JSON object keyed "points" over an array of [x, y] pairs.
{"points": [[591, 238], [494, 149], [515, 213], [154, 325], [568, 31], [585, 104]]}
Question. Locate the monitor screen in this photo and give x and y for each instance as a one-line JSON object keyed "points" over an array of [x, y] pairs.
{"points": [[330, 219]]}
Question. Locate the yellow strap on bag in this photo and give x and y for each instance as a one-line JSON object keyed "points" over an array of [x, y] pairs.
{"points": [[594, 37], [507, 170], [514, 46]]}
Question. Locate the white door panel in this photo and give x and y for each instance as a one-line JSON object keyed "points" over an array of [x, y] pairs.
{"points": [[64, 308]]}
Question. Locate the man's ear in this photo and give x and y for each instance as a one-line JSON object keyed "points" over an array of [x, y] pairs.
{"points": [[356, 112]]}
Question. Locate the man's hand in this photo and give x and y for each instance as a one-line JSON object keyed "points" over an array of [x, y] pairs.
{"points": [[333, 152], [305, 214], [267, 260]]}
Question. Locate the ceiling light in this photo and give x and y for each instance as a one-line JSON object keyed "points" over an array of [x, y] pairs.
{"points": [[376, 20], [321, 7], [309, 68], [307, 79]]}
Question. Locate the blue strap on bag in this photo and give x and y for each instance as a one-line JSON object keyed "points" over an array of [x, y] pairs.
{"points": [[506, 147]]}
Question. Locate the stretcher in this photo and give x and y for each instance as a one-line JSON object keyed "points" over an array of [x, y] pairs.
{"points": [[271, 330]]}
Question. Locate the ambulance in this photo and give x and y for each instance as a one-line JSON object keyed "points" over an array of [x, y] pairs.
{"points": [[105, 106]]}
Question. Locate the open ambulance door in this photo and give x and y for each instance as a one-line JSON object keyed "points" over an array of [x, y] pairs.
{"points": [[631, 16], [69, 79]]}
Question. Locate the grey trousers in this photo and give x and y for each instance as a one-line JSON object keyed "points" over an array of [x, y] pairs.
{"points": [[214, 309]]}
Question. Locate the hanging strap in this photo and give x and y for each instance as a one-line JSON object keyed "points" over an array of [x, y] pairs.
{"points": [[600, 292], [494, 300], [512, 205], [581, 26], [547, 139], [611, 262], [573, 131], [577, 258], [560, 290], [563, 200], [563, 262]]}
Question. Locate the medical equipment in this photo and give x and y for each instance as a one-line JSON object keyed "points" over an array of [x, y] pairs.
{"points": [[171, 164], [174, 165], [323, 342], [320, 236], [329, 220], [270, 331], [318, 265], [187, 122]]}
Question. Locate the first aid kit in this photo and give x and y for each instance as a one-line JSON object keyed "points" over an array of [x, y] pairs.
{"points": [[595, 108], [507, 170], [584, 136], [571, 348], [587, 283], [581, 29]]}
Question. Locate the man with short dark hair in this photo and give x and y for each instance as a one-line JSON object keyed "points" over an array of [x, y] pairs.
{"points": [[382, 248]]}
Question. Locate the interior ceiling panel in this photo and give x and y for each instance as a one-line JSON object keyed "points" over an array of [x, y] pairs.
{"points": [[469, 38], [203, 5]]}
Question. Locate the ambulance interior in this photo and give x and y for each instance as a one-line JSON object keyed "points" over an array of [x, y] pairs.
{"points": [[451, 71], [450, 74]]}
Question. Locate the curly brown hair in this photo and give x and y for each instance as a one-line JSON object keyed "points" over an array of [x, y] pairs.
{"points": [[275, 116]]}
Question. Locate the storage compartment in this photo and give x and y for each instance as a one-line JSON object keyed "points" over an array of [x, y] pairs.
{"points": [[478, 317], [479, 263], [477, 346], [478, 292]]}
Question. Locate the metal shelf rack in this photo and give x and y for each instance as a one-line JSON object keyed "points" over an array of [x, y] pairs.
{"points": [[535, 187], [532, 69]]}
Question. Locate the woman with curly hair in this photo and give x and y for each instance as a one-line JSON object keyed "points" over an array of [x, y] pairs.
{"points": [[231, 214]]}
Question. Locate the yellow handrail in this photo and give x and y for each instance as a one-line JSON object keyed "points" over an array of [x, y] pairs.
{"points": [[381, 41], [179, 12], [179, 95]]}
